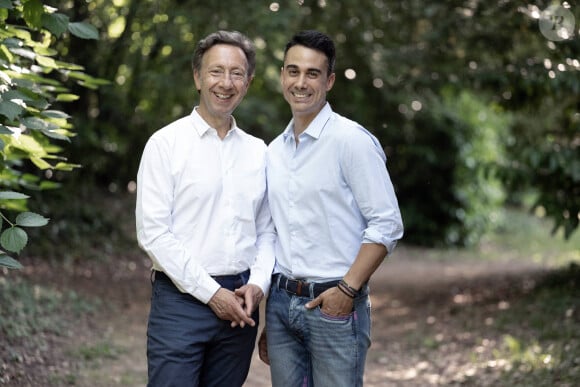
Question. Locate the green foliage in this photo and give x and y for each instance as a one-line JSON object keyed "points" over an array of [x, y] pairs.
{"points": [[480, 193], [402, 59], [32, 80]]}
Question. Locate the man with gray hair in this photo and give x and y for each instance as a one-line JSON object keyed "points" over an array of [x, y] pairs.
{"points": [[202, 216]]}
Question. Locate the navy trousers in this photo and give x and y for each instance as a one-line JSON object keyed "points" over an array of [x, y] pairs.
{"points": [[188, 345]]}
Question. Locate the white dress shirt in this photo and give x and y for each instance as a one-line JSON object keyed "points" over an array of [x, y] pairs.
{"points": [[328, 195], [202, 209]]}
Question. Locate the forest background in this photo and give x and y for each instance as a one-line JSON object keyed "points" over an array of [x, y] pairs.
{"points": [[476, 104]]}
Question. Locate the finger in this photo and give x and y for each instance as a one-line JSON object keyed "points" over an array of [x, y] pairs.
{"points": [[314, 303], [263, 348], [240, 291], [249, 304], [243, 318]]}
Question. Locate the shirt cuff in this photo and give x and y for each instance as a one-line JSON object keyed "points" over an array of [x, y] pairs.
{"points": [[206, 290]]}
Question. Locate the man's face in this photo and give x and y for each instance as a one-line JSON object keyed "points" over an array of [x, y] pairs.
{"points": [[223, 80], [305, 81]]}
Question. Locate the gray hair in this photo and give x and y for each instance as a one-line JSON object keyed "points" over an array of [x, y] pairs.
{"points": [[233, 38]]}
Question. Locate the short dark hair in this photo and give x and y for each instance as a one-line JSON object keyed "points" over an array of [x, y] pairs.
{"points": [[317, 41], [233, 38]]}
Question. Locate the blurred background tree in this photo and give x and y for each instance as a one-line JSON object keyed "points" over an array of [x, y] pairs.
{"points": [[475, 106]]}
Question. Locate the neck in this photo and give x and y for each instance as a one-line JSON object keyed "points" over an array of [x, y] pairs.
{"points": [[222, 124], [301, 121], [224, 128]]}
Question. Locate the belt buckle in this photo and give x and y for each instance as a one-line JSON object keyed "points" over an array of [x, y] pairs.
{"points": [[297, 289]]}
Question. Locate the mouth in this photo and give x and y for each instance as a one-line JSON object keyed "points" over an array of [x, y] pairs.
{"points": [[223, 97], [300, 95]]}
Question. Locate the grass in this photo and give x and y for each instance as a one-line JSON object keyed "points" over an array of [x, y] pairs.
{"points": [[95, 352], [28, 310], [545, 346], [520, 236], [33, 331]]}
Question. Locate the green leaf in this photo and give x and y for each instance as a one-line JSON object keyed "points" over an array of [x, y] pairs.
{"points": [[11, 195], [55, 114], [46, 184], [9, 262], [10, 110], [32, 11], [67, 97], [15, 94], [47, 62], [31, 219], [66, 166], [83, 30], [14, 239], [55, 22], [56, 135], [6, 55], [35, 123], [40, 163], [3, 15]]}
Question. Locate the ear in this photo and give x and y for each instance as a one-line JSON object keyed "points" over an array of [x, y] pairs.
{"points": [[250, 80], [330, 81], [196, 79], [281, 74]]}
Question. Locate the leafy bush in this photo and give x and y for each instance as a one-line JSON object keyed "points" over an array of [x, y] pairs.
{"points": [[447, 195], [32, 80]]}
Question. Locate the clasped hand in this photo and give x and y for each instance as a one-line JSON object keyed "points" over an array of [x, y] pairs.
{"points": [[237, 306]]}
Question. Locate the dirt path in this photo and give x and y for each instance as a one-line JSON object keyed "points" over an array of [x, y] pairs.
{"points": [[420, 334]]}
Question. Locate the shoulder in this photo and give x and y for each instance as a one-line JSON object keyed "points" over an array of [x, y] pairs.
{"points": [[177, 132], [354, 137], [178, 127], [251, 140], [349, 130]]}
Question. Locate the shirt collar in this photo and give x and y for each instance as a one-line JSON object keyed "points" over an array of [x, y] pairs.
{"points": [[315, 128], [202, 127]]}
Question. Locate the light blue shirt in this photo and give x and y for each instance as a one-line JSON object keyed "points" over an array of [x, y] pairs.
{"points": [[328, 195]]}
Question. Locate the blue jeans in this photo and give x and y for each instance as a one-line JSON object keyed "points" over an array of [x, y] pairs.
{"points": [[310, 349], [188, 345]]}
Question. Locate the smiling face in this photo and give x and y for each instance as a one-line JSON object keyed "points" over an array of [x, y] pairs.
{"points": [[305, 82], [223, 81]]}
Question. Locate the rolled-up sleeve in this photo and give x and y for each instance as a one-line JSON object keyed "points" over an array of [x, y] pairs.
{"points": [[364, 166]]}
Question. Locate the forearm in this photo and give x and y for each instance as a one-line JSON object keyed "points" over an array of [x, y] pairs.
{"points": [[369, 258]]}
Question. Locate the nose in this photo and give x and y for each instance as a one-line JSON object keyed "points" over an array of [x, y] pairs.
{"points": [[301, 81], [227, 80]]}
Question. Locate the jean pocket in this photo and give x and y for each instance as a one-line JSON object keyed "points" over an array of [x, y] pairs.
{"points": [[335, 319]]}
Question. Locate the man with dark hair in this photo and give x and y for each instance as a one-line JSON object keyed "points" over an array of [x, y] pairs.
{"points": [[336, 217], [202, 217]]}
